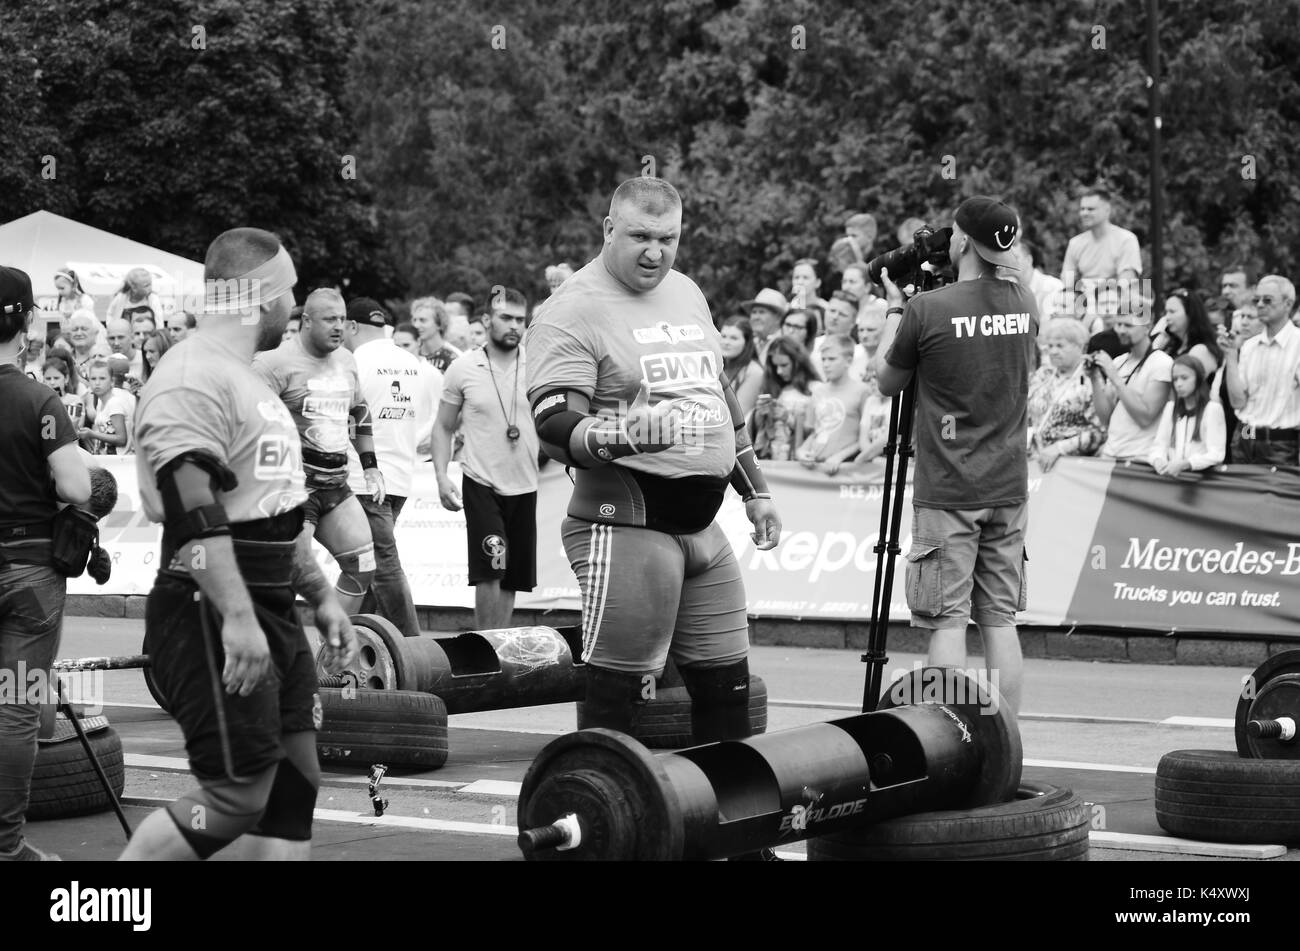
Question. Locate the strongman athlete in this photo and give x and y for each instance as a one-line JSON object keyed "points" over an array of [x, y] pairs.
{"points": [[317, 380], [624, 377], [220, 466]]}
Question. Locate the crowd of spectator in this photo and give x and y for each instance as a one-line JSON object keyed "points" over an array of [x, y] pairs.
{"points": [[1215, 379], [802, 356]]}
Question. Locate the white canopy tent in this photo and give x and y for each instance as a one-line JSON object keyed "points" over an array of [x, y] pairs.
{"points": [[42, 243]]}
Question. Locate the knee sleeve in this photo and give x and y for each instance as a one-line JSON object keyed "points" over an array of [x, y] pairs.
{"points": [[221, 811], [292, 799], [719, 701], [356, 570], [615, 698]]}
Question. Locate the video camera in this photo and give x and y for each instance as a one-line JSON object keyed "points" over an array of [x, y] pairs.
{"points": [[928, 247]]}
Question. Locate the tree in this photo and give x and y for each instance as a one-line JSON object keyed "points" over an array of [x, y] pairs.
{"points": [[178, 121]]}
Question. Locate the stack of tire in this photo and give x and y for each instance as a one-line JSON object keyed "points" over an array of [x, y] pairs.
{"points": [[64, 781], [1250, 795], [665, 721], [361, 727]]}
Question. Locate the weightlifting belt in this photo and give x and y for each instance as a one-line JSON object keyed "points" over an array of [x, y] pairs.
{"points": [[264, 551]]}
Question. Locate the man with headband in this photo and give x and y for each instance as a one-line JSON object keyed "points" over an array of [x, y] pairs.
{"points": [[220, 465], [317, 379]]}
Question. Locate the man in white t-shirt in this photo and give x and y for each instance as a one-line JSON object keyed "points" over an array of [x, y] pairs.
{"points": [[1129, 393], [402, 395], [1103, 255]]}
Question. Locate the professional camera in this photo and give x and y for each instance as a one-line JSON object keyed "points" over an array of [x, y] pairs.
{"points": [[904, 264]]}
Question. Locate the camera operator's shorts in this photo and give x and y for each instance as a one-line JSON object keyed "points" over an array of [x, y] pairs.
{"points": [[320, 502], [967, 565], [648, 594], [501, 535], [284, 703]]}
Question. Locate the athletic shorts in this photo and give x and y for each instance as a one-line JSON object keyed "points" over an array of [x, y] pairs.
{"points": [[286, 702], [501, 536], [648, 594], [967, 565], [320, 502]]}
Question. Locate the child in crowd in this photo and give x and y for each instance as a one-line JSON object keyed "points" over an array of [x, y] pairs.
{"points": [[1192, 433], [110, 412], [842, 423], [781, 412]]}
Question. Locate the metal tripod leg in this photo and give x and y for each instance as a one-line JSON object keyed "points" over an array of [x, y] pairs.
{"points": [[65, 708], [887, 547]]}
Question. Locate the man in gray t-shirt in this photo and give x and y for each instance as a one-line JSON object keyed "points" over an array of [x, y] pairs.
{"points": [[971, 347], [484, 394]]}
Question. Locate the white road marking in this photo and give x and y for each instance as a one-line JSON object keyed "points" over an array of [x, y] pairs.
{"points": [[409, 822], [493, 787], [1163, 843], [1100, 767], [1218, 723]]}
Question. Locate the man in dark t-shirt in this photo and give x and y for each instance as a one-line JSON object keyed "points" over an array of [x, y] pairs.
{"points": [[39, 468], [971, 346]]}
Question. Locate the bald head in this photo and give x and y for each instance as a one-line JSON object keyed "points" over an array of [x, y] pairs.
{"points": [[234, 253], [652, 196], [323, 300], [119, 335]]}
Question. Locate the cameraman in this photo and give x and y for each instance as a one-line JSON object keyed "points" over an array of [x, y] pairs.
{"points": [[39, 468], [971, 345]]}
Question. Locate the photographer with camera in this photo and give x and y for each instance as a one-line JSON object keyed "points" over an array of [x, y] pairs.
{"points": [[1129, 392], [39, 468], [971, 347]]}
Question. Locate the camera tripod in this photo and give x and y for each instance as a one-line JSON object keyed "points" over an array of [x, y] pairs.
{"points": [[901, 414]]}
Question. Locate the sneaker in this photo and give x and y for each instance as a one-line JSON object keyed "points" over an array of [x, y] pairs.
{"points": [[28, 853]]}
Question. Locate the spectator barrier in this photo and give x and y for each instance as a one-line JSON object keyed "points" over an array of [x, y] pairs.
{"points": [[1110, 545]]}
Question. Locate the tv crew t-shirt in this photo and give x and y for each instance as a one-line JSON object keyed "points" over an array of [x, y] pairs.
{"points": [[972, 347]]}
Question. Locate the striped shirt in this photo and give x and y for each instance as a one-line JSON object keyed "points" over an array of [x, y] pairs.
{"points": [[1270, 373]]}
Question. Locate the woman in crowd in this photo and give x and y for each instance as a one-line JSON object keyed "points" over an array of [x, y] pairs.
{"points": [[805, 285], [82, 335], [1062, 421], [802, 325], [59, 373], [1243, 324], [1192, 434], [155, 345], [785, 403], [740, 367], [1187, 329], [136, 294]]}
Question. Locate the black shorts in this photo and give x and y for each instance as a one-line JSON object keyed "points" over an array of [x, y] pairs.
{"points": [[501, 533], [320, 502], [285, 703]]}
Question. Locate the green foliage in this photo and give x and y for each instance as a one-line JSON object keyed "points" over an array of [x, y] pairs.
{"points": [[491, 164], [173, 122], [488, 138]]}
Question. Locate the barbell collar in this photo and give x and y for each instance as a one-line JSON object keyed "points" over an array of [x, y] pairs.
{"points": [[1282, 729]]}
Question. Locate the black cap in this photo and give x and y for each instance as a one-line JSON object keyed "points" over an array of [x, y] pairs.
{"points": [[15, 291], [992, 226], [366, 311]]}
